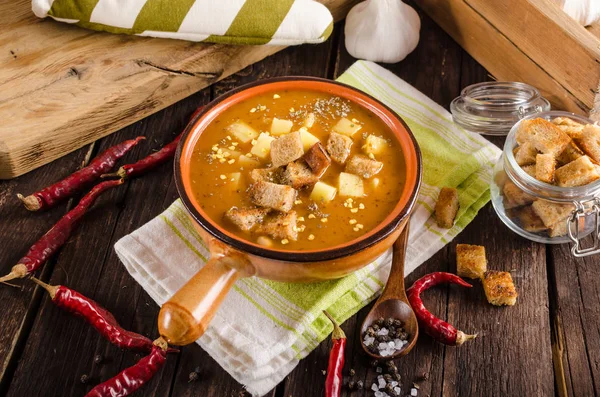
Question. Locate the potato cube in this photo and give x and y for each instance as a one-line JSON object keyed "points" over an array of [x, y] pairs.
{"points": [[525, 154], [264, 241], [375, 145], [280, 127], [308, 139], [242, 131], [350, 185], [234, 179], [470, 260], [346, 127], [262, 147], [248, 162], [322, 193], [499, 288], [544, 167], [446, 207], [577, 173], [309, 120]]}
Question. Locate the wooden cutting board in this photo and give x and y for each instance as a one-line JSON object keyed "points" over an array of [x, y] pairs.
{"points": [[62, 87]]}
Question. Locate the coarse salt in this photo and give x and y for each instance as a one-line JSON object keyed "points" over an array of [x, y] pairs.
{"points": [[413, 392]]}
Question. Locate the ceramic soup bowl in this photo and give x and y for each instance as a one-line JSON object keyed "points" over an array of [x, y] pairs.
{"points": [[184, 318]]}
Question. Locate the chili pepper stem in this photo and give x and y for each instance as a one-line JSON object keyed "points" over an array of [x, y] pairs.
{"points": [[18, 271], [461, 337], [50, 288], [337, 333], [31, 203], [120, 173], [162, 343]]}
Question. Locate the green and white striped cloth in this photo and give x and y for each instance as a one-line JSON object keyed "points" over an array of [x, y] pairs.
{"points": [[264, 327], [275, 22]]}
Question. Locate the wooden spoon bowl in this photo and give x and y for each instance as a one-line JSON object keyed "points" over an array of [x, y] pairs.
{"points": [[394, 303]]}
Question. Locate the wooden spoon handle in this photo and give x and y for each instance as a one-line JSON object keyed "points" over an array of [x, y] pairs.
{"points": [[394, 287], [184, 317]]}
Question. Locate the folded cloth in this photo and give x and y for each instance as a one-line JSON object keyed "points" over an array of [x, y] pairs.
{"points": [[276, 22], [264, 328]]}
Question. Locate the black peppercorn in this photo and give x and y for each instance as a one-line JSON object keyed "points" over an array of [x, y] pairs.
{"points": [[398, 323], [380, 321], [98, 359], [389, 388], [389, 322], [374, 363], [84, 379], [360, 385], [376, 327], [192, 377], [397, 377], [370, 331], [384, 338], [387, 377], [351, 385], [352, 372]]}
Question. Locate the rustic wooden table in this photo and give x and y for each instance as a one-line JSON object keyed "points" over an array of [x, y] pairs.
{"points": [[549, 343]]}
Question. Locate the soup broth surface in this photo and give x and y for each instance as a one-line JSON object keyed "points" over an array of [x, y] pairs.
{"points": [[221, 165]]}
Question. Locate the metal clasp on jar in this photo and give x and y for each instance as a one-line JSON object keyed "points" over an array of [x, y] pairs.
{"points": [[583, 211]]}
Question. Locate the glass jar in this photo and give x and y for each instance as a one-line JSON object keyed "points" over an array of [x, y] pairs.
{"points": [[584, 201], [493, 107]]}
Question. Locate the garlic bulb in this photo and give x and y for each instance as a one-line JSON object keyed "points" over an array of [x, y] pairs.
{"points": [[382, 30], [585, 12]]}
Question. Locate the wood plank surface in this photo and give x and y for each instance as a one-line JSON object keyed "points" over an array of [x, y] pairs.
{"points": [[63, 87], [44, 351]]}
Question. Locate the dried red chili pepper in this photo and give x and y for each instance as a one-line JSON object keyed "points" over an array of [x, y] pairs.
{"points": [[152, 161], [104, 162], [148, 163], [50, 242], [134, 377], [333, 382], [97, 316], [433, 326]]}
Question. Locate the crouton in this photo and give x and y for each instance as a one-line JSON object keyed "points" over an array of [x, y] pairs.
{"points": [[446, 207], [338, 146], [529, 169], [550, 212], [272, 195], [529, 220], [499, 288], [543, 135], [545, 165], [560, 228], [246, 218], [363, 166], [566, 121], [525, 154], [273, 174], [317, 159], [286, 149], [514, 196], [571, 153], [470, 260], [577, 173], [590, 142], [281, 226], [298, 175]]}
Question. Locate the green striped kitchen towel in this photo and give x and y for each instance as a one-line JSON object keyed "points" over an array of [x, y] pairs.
{"points": [[276, 22], [264, 327]]}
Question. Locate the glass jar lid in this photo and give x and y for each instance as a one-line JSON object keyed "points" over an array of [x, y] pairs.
{"points": [[492, 108]]}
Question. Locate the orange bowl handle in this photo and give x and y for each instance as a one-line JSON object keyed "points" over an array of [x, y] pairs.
{"points": [[185, 317]]}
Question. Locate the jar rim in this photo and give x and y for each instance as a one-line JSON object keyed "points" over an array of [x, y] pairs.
{"points": [[493, 107], [560, 193]]}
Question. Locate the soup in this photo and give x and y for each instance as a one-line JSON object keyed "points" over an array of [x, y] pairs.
{"points": [[297, 170]]}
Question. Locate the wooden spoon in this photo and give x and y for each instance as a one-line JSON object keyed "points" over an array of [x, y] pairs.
{"points": [[394, 303]]}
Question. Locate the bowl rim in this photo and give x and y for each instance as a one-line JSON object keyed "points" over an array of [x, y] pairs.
{"points": [[379, 233]]}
